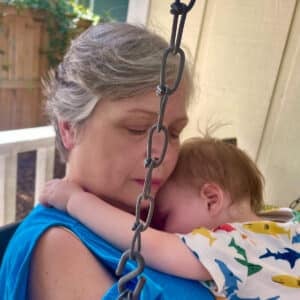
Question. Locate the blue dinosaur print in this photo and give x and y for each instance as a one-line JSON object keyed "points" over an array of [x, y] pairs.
{"points": [[194, 252], [289, 255], [231, 283], [231, 280], [296, 238], [236, 297]]}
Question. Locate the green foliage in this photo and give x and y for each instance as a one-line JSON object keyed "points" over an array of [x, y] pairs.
{"points": [[85, 13], [5, 67], [61, 19]]}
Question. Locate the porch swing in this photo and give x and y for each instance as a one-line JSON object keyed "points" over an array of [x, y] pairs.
{"points": [[179, 11]]}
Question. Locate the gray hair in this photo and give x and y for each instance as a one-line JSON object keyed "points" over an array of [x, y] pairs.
{"points": [[112, 61]]}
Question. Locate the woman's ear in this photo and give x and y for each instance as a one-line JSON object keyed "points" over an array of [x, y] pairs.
{"points": [[67, 134], [213, 196]]}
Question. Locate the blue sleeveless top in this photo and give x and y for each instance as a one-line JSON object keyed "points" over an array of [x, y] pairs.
{"points": [[14, 271]]}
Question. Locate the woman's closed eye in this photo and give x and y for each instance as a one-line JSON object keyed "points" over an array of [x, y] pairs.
{"points": [[174, 134], [137, 131]]}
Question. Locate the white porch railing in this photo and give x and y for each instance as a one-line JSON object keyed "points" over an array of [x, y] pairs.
{"points": [[13, 142]]}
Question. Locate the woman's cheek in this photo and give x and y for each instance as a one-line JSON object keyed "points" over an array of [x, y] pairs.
{"points": [[173, 157]]}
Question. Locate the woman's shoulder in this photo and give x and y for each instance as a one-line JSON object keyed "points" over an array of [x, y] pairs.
{"points": [[43, 246], [63, 268], [58, 237], [58, 246]]}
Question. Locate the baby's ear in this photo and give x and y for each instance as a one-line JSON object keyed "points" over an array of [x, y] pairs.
{"points": [[213, 195], [67, 134]]}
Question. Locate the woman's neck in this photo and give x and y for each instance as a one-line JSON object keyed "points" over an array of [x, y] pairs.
{"points": [[116, 203]]}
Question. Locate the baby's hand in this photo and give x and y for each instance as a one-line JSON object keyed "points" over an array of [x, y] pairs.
{"points": [[57, 193]]}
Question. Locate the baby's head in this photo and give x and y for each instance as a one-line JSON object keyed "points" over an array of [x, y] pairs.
{"points": [[210, 176]]}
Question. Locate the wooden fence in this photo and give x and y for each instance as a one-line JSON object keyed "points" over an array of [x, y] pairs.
{"points": [[23, 37]]}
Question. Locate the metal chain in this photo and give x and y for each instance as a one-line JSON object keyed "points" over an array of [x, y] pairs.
{"points": [[295, 203], [179, 11]]}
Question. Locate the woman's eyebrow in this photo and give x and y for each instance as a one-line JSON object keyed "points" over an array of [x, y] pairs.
{"points": [[154, 115], [147, 113], [144, 111]]}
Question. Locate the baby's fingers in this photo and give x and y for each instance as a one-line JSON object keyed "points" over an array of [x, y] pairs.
{"points": [[47, 193], [43, 198]]}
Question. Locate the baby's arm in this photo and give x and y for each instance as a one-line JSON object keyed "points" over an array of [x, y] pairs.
{"points": [[162, 251]]}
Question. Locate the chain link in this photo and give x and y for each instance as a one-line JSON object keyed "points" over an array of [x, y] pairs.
{"points": [[179, 11], [295, 203]]}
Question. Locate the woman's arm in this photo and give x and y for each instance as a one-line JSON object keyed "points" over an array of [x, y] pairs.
{"points": [[162, 251], [62, 268]]}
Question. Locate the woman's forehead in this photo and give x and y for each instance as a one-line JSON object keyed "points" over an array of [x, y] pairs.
{"points": [[145, 105]]}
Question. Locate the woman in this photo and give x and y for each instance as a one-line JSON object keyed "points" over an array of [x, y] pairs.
{"points": [[101, 101]]}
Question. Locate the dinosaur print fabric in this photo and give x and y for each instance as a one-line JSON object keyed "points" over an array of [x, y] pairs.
{"points": [[257, 260]]}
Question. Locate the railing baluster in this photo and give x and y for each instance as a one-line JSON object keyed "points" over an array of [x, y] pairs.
{"points": [[43, 169], [8, 188], [17, 141]]}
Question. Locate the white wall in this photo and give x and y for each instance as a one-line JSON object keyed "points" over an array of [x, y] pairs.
{"points": [[138, 11], [245, 63], [279, 156]]}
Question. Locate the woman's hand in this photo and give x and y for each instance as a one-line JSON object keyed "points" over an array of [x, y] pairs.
{"points": [[57, 193]]}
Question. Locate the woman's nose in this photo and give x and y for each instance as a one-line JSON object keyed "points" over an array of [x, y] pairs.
{"points": [[165, 152], [159, 145]]}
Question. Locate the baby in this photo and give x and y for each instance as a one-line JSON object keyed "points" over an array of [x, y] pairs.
{"points": [[213, 232]]}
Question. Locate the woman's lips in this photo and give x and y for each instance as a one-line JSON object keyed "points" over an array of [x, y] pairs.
{"points": [[155, 183]]}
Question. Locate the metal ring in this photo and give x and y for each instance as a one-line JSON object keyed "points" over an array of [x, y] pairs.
{"points": [[149, 157], [179, 71]]}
